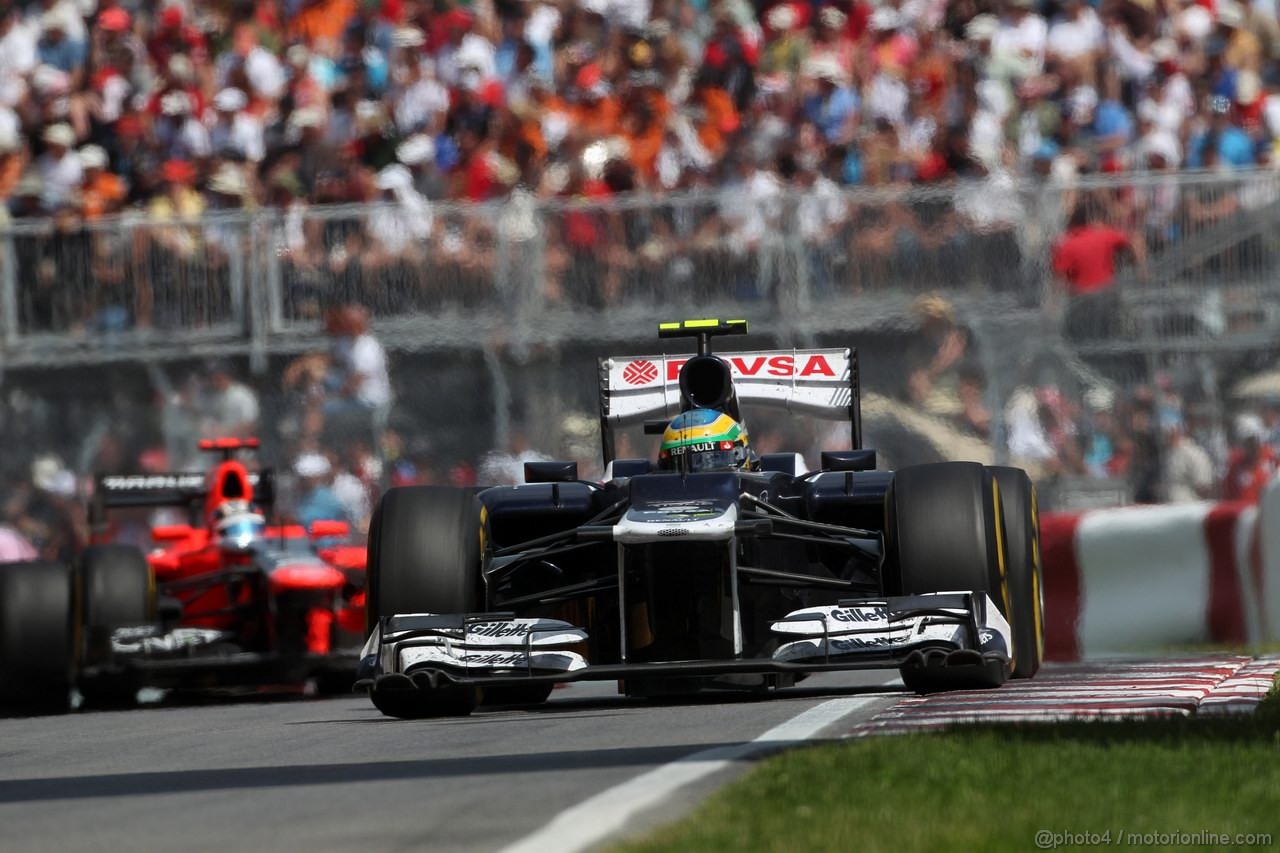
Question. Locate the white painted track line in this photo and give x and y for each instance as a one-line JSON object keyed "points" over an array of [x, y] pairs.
{"points": [[595, 819]]}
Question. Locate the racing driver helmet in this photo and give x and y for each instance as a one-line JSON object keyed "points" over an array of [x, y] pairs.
{"points": [[705, 440], [237, 527]]}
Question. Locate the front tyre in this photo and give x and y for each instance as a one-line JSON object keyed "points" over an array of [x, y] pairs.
{"points": [[425, 550], [944, 533], [38, 637]]}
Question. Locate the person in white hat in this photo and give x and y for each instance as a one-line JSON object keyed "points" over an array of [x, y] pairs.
{"points": [[179, 133], [418, 154], [58, 46], [400, 227], [59, 166], [233, 129], [316, 500], [835, 110], [102, 192]]}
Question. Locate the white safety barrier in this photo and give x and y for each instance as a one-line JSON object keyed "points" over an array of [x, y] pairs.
{"points": [[1141, 579]]}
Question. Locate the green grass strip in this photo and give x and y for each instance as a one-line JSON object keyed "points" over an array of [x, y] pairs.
{"points": [[993, 788]]}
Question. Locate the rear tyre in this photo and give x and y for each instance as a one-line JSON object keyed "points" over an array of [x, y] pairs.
{"points": [[524, 694], [37, 637], [425, 546], [1026, 576], [118, 589], [944, 533]]}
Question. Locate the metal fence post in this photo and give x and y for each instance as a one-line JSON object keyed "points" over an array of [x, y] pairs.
{"points": [[259, 313], [9, 293]]}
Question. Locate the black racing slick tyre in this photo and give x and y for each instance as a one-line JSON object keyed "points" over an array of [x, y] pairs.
{"points": [[1026, 575], [944, 532], [425, 544], [117, 588], [425, 547], [37, 637]]}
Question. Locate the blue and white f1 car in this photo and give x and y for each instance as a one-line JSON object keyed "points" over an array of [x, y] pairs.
{"points": [[746, 578]]}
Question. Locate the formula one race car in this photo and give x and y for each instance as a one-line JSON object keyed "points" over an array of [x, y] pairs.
{"points": [[223, 600], [712, 568]]}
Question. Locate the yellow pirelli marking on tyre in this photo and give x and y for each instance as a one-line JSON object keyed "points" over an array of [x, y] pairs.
{"points": [[1004, 574], [484, 517]]}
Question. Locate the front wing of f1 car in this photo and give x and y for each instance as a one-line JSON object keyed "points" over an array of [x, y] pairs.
{"points": [[959, 632]]}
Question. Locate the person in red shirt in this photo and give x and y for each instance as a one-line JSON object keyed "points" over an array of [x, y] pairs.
{"points": [[1251, 464], [1085, 260], [1085, 256]]}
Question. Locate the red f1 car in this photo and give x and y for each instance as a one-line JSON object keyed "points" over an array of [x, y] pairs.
{"points": [[224, 599]]}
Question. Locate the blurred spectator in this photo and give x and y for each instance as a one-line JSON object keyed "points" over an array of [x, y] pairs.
{"points": [[316, 499], [1085, 260], [14, 547], [507, 467], [940, 348], [59, 167], [1188, 470], [1251, 464], [44, 510], [233, 129], [974, 415], [102, 192], [358, 380], [230, 407], [1271, 422]]}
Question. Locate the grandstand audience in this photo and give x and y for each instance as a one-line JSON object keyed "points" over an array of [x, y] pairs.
{"points": [[497, 94]]}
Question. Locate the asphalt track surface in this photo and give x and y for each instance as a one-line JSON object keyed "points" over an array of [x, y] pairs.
{"points": [[333, 774]]}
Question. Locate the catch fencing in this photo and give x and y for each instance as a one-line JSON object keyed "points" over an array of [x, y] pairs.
{"points": [[494, 315]]}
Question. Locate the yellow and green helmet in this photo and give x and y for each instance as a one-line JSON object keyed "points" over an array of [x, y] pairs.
{"points": [[704, 440]]}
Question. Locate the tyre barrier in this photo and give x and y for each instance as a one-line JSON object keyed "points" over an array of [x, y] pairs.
{"points": [[1150, 578]]}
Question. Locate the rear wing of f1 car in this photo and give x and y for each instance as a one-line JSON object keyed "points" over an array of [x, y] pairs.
{"points": [[178, 489], [822, 383]]}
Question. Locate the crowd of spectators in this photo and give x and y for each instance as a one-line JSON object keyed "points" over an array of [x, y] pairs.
{"points": [[1147, 439], [106, 104], [178, 108]]}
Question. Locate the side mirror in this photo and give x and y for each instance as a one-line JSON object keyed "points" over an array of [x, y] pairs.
{"points": [[329, 530], [550, 472], [620, 468], [848, 460]]}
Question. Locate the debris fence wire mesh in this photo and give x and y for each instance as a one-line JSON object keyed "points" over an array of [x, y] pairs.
{"points": [[493, 315]]}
